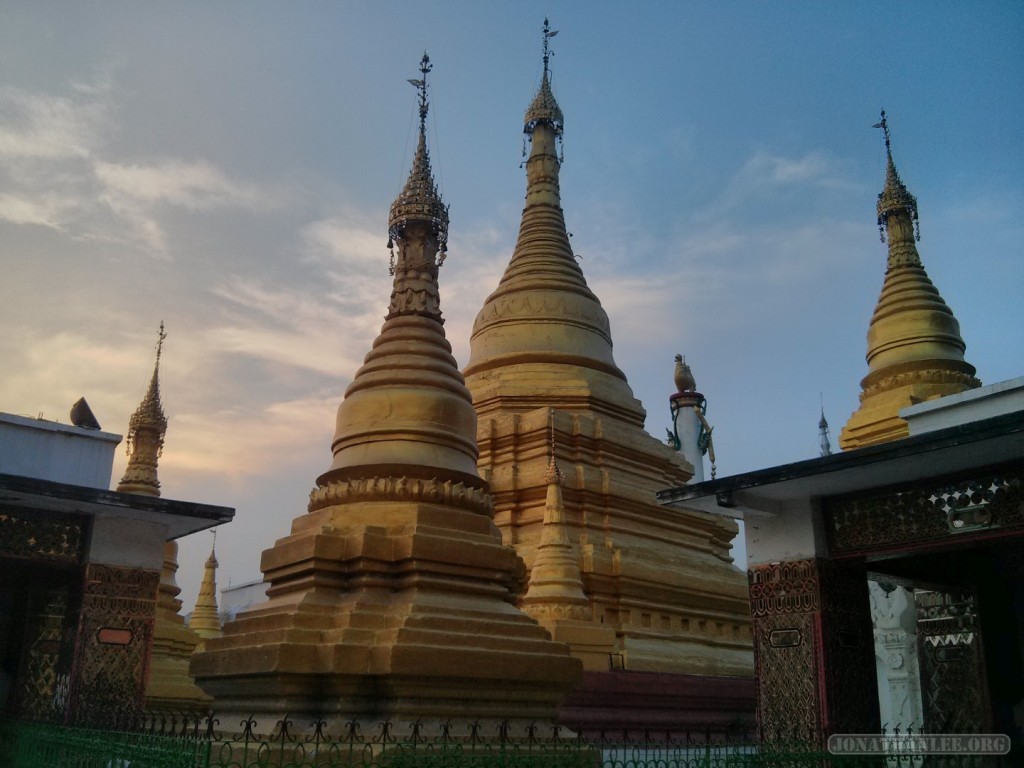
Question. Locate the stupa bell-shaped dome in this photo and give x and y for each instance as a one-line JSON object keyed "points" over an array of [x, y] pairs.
{"points": [[407, 412], [543, 328], [915, 350]]}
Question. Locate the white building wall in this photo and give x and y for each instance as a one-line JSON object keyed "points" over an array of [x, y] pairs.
{"points": [[48, 451], [61, 453], [966, 407]]}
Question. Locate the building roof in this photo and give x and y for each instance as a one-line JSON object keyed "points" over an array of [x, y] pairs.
{"points": [[953, 450], [180, 517]]}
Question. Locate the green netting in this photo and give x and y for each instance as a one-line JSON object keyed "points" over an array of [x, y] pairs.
{"points": [[36, 745]]}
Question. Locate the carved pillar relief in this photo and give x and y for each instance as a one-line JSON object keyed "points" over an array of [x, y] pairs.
{"points": [[894, 620]]}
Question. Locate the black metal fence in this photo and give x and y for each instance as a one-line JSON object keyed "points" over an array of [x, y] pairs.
{"points": [[174, 741]]}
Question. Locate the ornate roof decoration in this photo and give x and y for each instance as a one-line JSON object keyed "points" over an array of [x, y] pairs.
{"points": [[894, 198], [544, 108], [419, 200], [683, 376], [150, 413]]}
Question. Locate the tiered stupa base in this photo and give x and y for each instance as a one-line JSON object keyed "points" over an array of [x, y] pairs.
{"points": [[659, 579], [877, 420], [401, 611]]}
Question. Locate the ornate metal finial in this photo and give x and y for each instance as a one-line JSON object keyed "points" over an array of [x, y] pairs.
{"points": [[544, 108], [160, 343], [894, 197], [884, 125], [150, 413], [421, 86], [419, 199], [548, 53]]}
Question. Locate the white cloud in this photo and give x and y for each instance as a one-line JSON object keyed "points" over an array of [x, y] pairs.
{"points": [[47, 210], [44, 126], [196, 186], [244, 441]]}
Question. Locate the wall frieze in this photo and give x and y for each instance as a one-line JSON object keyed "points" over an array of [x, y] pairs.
{"points": [[929, 512], [925, 376], [432, 491]]}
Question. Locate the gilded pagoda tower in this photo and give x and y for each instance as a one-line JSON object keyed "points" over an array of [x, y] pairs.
{"points": [[205, 620], [661, 592], [394, 594], [915, 351], [169, 686]]}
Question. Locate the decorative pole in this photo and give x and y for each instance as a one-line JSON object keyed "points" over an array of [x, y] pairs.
{"points": [[690, 433]]}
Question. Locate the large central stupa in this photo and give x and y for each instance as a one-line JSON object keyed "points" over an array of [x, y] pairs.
{"points": [[662, 593], [394, 595]]}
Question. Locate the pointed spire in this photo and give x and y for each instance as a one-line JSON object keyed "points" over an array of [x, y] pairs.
{"points": [[419, 202], [556, 582], [897, 210], [824, 444], [407, 412], [543, 319], [169, 686], [544, 108], [205, 620], [915, 351], [146, 430]]}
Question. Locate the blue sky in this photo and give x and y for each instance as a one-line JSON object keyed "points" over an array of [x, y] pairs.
{"points": [[227, 168]]}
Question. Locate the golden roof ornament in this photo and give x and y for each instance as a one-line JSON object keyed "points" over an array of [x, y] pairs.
{"points": [[544, 108], [419, 200], [894, 197], [683, 376], [146, 430], [150, 413]]}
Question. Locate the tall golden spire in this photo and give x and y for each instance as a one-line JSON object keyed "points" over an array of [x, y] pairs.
{"points": [[407, 412], [915, 351], [205, 620], [542, 345], [543, 322], [146, 430]]}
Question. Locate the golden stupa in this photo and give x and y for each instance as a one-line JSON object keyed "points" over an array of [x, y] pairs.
{"points": [[661, 592], [394, 595], [205, 620], [168, 686], [915, 351]]}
